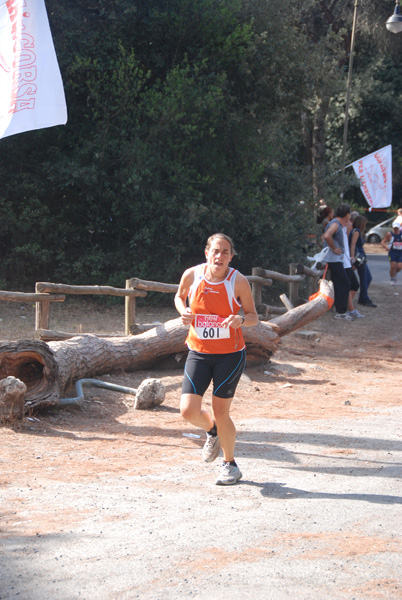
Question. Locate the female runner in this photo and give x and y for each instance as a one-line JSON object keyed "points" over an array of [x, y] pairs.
{"points": [[216, 293]]}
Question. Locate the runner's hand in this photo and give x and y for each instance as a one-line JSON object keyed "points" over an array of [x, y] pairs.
{"points": [[234, 321], [187, 317]]}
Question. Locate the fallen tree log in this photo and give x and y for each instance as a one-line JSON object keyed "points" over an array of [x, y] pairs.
{"points": [[48, 370], [305, 313]]}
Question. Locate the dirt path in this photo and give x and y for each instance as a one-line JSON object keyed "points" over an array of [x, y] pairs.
{"points": [[112, 503]]}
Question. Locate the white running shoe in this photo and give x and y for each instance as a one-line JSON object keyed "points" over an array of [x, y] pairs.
{"points": [[355, 314], [393, 281], [230, 474], [344, 316], [211, 448]]}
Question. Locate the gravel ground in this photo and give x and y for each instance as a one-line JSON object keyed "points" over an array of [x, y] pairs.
{"points": [[111, 503], [317, 512]]}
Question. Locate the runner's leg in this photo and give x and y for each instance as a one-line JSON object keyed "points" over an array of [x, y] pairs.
{"points": [[197, 376], [227, 373], [190, 408], [225, 425]]}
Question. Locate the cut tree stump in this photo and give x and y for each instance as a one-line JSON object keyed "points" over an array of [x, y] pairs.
{"points": [[48, 370], [12, 398]]}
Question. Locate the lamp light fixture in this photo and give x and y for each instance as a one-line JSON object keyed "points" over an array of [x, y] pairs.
{"points": [[394, 23]]}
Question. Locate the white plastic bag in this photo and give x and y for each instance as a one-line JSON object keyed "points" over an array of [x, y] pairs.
{"points": [[319, 258]]}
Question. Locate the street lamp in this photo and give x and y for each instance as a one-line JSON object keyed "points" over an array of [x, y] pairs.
{"points": [[394, 23]]}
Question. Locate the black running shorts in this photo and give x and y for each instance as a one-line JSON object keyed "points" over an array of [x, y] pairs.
{"points": [[395, 256], [354, 283], [223, 369]]}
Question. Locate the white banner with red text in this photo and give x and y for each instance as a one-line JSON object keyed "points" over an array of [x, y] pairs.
{"points": [[31, 88], [375, 174]]}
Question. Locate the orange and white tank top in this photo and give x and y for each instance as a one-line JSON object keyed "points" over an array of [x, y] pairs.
{"points": [[212, 303]]}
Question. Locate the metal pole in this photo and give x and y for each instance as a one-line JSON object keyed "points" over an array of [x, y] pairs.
{"points": [[349, 86]]}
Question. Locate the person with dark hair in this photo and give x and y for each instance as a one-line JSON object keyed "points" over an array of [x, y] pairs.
{"points": [[216, 292], [350, 272], [324, 216], [393, 243], [334, 240], [359, 259], [399, 217]]}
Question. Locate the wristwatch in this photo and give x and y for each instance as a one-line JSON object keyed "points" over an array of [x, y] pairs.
{"points": [[242, 317]]}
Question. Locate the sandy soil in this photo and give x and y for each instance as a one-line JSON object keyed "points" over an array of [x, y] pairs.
{"points": [[109, 502]]}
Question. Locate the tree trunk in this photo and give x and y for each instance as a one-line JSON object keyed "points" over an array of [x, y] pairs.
{"points": [[318, 149], [49, 369]]}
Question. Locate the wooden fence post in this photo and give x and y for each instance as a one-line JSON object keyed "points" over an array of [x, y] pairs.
{"points": [[42, 313], [129, 309], [314, 276], [313, 283], [293, 285], [256, 288]]}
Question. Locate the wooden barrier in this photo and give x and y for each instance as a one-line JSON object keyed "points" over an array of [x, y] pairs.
{"points": [[46, 292], [42, 313], [297, 274], [259, 278], [269, 276], [168, 288], [148, 286], [26, 297], [314, 275]]}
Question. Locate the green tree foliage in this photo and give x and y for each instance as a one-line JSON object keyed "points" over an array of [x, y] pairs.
{"points": [[184, 119], [177, 128], [375, 99]]}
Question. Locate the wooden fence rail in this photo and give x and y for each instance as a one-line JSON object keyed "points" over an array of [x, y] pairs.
{"points": [[46, 293], [297, 274], [42, 313], [26, 297]]}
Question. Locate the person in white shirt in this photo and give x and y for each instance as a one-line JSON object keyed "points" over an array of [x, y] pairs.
{"points": [[399, 217], [333, 239], [347, 263]]}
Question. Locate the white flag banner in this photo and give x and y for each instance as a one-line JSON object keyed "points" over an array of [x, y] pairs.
{"points": [[375, 174], [31, 88]]}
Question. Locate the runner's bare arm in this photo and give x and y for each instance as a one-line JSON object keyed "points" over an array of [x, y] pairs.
{"points": [[386, 240], [328, 235], [245, 297], [353, 242], [181, 297]]}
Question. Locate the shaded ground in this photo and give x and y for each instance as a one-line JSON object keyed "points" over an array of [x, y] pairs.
{"points": [[108, 502]]}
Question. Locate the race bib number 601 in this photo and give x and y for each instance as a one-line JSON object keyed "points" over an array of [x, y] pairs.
{"points": [[209, 327]]}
